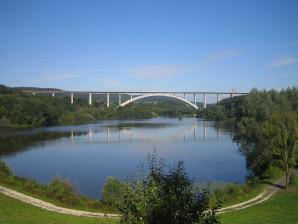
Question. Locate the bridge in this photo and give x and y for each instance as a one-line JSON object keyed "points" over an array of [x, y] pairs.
{"points": [[188, 97]]}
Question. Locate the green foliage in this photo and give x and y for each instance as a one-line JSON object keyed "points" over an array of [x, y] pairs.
{"points": [[5, 90], [4, 123], [58, 191], [233, 192], [63, 191], [281, 132], [5, 170], [292, 178], [257, 104], [258, 129], [162, 196], [113, 190], [21, 109]]}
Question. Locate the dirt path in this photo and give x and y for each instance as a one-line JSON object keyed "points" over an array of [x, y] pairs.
{"points": [[51, 207], [265, 195]]}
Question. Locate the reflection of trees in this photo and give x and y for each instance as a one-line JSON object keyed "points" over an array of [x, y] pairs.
{"points": [[12, 144], [253, 146]]}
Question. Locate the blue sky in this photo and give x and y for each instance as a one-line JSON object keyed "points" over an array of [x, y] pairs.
{"points": [[149, 45]]}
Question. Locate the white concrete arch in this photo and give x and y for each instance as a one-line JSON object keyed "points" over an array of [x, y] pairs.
{"points": [[158, 94]]}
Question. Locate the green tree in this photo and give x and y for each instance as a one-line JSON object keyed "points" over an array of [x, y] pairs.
{"points": [[164, 197], [281, 130], [113, 190]]}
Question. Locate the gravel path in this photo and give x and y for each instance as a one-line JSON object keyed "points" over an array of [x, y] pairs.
{"points": [[265, 195], [51, 207]]}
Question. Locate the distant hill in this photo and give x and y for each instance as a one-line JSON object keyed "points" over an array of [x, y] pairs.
{"points": [[23, 88]]}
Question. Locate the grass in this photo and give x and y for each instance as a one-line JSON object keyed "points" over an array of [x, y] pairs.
{"points": [[16, 212], [282, 208], [59, 192], [253, 191]]}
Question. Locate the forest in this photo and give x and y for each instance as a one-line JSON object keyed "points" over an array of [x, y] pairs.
{"points": [[266, 128], [19, 109]]}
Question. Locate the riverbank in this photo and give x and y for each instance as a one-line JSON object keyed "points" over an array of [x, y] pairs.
{"points": [[279, 209], [270, 191]]}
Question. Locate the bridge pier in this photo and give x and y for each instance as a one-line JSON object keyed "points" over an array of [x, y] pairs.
{"points": [[71, 98], [195, 99], [217, 97], [184, 96], [130, 95], [53, 94], [90, 99], [108, 100], [205, 100], [119, 98]]}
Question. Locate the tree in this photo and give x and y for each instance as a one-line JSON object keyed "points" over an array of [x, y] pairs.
{"points": [[164, 197], [281, 129], [253, 146], [113, 190]]}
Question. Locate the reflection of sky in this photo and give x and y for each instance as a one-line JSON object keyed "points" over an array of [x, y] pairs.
{"points": [[209, 154]]}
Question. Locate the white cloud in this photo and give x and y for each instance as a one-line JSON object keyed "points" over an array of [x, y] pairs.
{"points": [[283, 61], [219, 56], [157, 71], [111, 83], [290, 43], [54, 77], [165, 71]]}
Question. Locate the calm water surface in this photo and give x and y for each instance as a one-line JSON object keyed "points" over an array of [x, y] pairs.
{"points": [[88, 154]]}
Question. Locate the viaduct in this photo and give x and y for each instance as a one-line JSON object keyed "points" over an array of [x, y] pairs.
{"points": [[137, 95]]}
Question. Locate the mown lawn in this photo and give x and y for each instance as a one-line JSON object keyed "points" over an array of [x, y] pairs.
{"points": [[282, 208], [16, 212]]}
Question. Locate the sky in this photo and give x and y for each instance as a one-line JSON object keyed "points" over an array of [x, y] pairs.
{"points": [[212, 45]]}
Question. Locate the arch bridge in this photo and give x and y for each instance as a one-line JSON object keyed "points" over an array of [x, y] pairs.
{"points": [[188, 97]]}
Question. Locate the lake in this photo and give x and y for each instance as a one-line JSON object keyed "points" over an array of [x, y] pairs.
{"points": [[87, 154]]}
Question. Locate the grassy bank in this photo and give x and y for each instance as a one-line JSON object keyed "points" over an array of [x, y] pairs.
{"points": [[282, 208], [58, 191], [16, 212], [236, 193]]}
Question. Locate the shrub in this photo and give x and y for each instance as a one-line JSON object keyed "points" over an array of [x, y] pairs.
{"points": [[113, 190], [164, 197], [4, 123], [292, 178], [63, 191], [33, 187], [5, 170]]}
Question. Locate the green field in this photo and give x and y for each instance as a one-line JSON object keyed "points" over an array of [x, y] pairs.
{"points": [[15, 212], [282, 208]]}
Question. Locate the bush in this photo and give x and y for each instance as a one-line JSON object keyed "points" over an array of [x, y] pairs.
{"points": [[5, 170], [113, 190], [162, 196], [63, 191], [291, 178], [4, 123]]}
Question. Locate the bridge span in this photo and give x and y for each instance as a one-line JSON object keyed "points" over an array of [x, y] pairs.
{"points": [[189, 97]]}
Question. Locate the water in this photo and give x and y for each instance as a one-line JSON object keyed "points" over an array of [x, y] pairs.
{"points": [[88, 154]]}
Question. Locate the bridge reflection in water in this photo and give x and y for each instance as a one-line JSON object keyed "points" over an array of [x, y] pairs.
{"points": [[191, 133]]}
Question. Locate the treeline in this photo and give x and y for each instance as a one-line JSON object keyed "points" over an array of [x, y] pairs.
{"points": [[21, 109], [258, 104], [266, 124]]}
